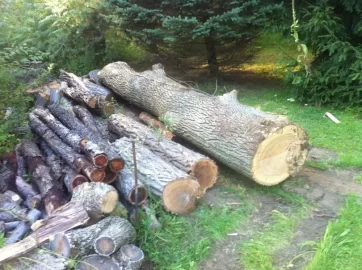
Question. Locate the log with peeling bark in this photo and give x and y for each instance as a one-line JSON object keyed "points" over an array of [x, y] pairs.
{"points": [[38, 259], [118, 232], [125, 184], [202, 168], [86, 118], [95, 154], [129, 257], [261, 146], [156, 124], [97, 198], [157, 174], [50, 189], [96, 261], [68, 216], [73, 179], [52, 160]]}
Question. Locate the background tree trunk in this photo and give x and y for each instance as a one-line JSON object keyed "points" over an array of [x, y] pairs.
{"points": [[211, 56]]}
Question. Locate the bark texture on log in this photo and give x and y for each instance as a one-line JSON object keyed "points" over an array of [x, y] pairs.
{"points": [[38, 260], [125, 184], [68, 216], [119, 232], [73, 179], [98, 198], [203, 168], [52, 160], [7, 177], [156, 174], [10, 211], [93, 173], [261, 146], [86, 117], [129, 257], [99, 90], [96, 261]]}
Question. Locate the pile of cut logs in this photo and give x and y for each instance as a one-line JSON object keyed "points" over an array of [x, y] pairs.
{"points": [[63, 186]]}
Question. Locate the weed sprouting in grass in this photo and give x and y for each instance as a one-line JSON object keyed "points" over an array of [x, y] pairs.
{"points": [[318, 165], [341, 246], [358, 178]]}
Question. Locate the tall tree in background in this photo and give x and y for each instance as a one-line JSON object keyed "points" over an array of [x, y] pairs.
{"points": [[162, 24]]}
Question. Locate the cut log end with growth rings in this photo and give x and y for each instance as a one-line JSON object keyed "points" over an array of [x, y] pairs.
{"points": [[179, 196], [280, 156], [206, 172]]}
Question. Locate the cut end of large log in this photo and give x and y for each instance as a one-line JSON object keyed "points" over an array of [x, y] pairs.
{"points": [[59, 243], [280, 155], [206, 172], [105, 245], [141, 195], [110, 201], [116, 164], [179, 195], [93, 262]]}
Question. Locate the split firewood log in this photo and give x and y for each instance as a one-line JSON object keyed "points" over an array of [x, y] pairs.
{"points": [[50, 189], [129, 257], [264, 147], [125, 184], [156, 124], [202, 168], [97, 198], [177, 189], [96, 261], [68, 216], [87, 240]]}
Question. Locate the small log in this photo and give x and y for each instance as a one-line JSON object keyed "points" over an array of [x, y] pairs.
{"points": [[125, 184], [68, 216], [159, 175], [73, 179], [9, 226], [50, 189], [96, 261], [94, 153], [152, 122], [2, 227], [99, 90], [97, 198], [33, 215], [110, 176], [6, 179], [94, 174], [13, 197], [54, 142], [129, 257], [119, 232], [202, 168], [18, 233], [86, 117], [93, 76], [104, 106], [33, 201], [54, 96], [10, 211], [52, 160], [38, 259]]}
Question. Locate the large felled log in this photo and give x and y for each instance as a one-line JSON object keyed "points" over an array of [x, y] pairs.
{"points": [[96, 261], [97, 198], [119, 232], [203, 168], [129, 257], [68, 216], [261, 146], [157, 174], [125, 184], [156, 124], [48, 187]]}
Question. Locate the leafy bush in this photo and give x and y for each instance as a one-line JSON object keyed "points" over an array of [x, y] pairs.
{"points": [[332, 30]]}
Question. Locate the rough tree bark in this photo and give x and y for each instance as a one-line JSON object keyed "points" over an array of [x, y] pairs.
{"points": [[199, 166], [157, 174], [129, 257], [261, 146], [154, 123]]}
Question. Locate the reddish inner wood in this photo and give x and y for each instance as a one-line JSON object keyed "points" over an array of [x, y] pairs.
{"points": [[78, 180], [98, 175], [116, 164], [101, 160]]}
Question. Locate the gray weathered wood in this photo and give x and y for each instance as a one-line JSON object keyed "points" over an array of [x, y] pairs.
{"points": [[261, 146], [52, 160], [129, 257], [125, 184], [96, 261]]}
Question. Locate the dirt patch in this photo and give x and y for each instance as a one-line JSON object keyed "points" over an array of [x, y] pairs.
{"points": [[321, 155]]}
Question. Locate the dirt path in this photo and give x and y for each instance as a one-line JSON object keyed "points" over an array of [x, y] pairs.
{"points": [[324, 189]]}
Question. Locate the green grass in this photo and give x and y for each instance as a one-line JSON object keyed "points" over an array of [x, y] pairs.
{"points": [[358, 178], [341, 247], [318, 165], [2, 240], [257, 253], [184, 241]]}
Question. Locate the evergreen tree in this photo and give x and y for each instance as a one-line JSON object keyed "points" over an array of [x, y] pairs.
{"points": [[167, 23]]}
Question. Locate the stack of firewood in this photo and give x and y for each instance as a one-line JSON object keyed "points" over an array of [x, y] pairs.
{"points": [[81, 163]]}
